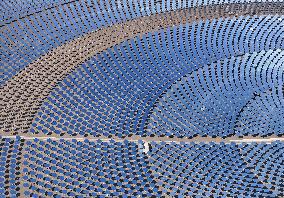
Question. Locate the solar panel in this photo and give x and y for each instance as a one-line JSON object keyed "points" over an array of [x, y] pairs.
{"points": [[149, 98]]}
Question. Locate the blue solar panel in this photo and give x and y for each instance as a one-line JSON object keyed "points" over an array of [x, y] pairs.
{"points": [[131, 76], [148, 98], [218, 170], [87, 169]]}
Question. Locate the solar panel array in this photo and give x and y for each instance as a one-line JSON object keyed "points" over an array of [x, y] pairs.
{"points": [[161, 98]]}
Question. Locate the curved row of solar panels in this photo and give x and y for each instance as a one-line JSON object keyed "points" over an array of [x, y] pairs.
{"points": [[63, 168], [140, 98]]}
